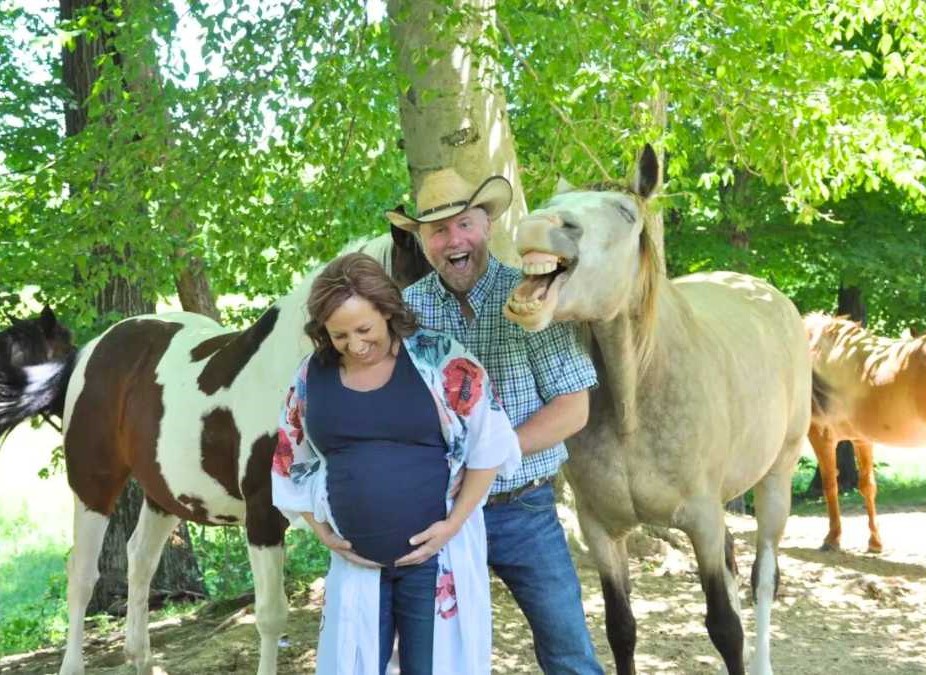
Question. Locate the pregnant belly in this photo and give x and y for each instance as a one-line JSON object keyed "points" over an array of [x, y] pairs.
{"points": [[381, 498]]}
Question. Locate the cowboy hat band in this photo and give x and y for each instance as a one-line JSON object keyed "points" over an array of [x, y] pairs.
{"points": [[444, 194]]}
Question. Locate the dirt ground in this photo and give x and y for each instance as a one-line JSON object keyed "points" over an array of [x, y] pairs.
{"points": [[847, 613]]}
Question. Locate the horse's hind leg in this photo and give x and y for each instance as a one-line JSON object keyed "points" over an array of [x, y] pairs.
{"points": [[772, 504], [83, 572], [702, 520], [824, 447], [869, 489], [144, 551]]}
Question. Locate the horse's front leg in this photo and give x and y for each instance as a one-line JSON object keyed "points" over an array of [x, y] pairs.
{"points": [[144, 551], [869, 489], [702, 520], [824, 447], [266, 528], [610, 556]]}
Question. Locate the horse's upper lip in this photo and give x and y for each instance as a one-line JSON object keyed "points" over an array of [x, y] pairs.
{"points": [[539, 262]]}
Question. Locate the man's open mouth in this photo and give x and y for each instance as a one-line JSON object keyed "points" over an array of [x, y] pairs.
{"points": [[458, 260]]}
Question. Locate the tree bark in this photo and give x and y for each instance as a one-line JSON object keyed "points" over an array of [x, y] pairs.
{"points": [[178, 573], [452, 107], [659, 119], [194, 291]]}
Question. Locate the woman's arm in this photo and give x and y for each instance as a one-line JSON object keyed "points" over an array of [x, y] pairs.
{"points": [[336, 544], [475, 485]]}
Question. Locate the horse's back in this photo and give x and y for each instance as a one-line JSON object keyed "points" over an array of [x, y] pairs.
{"points": [[133, 399], [747, 314], [753, 341]]}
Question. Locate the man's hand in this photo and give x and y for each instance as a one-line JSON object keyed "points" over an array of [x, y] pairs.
{"points": [[431, 541]]}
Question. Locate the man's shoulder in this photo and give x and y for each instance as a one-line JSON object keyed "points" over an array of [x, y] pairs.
{"points": [[508, 276], [419, 290]]}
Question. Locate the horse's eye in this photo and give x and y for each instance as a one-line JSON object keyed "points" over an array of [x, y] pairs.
{"points": [[569, 225]]}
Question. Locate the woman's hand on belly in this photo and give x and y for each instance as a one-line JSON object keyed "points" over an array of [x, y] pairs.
{"points": [[336, 544], [428, 542]]}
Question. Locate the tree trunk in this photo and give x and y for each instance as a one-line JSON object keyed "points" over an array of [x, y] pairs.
{"points": [[452, 107], [851, 304], [659, 119], [194, 291], [178, 573]]}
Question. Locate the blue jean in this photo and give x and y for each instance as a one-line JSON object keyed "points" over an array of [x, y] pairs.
{"points": [[406, 605], [528, 551]]}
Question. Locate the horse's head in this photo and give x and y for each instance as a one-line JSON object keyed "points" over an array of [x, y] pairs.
{"points": [[33, 341], [586, 255], [408, 261]]}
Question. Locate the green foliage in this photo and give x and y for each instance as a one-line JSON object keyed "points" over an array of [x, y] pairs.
{"points": [[223, 558], [33, 603], [274, 138]]}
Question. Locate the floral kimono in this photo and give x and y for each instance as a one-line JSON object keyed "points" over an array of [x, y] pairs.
{"points": [[478, 435]]}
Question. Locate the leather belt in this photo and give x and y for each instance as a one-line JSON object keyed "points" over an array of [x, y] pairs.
{"points": [[507, 497]]}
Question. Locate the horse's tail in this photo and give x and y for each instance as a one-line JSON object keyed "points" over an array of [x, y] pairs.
{"points": [[821, 396], [33, 390]]}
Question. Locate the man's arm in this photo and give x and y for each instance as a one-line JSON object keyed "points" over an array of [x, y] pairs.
{"points": [[554, 422]]}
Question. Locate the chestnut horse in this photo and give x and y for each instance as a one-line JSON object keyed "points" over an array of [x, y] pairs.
{"points": [[704, 392], [189, 409], [867, 389]]}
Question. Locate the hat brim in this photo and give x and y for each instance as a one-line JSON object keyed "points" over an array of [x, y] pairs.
{"points": [[494, 195]]}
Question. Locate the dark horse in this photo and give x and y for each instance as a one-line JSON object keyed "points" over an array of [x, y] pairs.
{"points": [[33, 350], [189, 409]]}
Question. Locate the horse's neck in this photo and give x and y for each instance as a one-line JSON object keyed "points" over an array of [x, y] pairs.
{"points": [[287, 342], [619, 363]]}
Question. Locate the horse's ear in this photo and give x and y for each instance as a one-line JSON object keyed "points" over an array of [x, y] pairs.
{"points": [[401, 238], [48, 321], [647, 177], [563, 185]]}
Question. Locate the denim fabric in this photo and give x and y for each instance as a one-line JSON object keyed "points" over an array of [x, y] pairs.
{"points": [[528, 552], [406, 606]]}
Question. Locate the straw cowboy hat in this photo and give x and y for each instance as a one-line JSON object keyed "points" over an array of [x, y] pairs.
{"points": [[446, 193]]}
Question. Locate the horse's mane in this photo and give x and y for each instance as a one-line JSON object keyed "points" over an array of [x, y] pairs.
{"points": [[647, 277]]}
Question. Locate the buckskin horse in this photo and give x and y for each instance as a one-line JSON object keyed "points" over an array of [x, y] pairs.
{"points": [[705, 392], [867, 389], [189, 409]]}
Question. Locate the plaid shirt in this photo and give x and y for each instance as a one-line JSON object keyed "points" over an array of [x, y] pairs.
{"points": [[527, 369]]}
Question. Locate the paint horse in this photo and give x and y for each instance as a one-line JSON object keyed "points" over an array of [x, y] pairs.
{"points": [[867, 389], [704, 392], [189, 409], [25, 345]]}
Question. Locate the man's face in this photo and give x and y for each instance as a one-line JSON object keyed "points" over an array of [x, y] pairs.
{"points": [[458, 248]]}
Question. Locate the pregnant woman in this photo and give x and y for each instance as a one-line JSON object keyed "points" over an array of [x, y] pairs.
{"points": [[377, 426]]}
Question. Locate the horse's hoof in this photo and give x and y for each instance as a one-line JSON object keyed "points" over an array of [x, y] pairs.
{"points": [[874, 548], [829, 547]]}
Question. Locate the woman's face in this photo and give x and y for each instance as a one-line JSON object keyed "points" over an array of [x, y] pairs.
{"points": [[359, 332]]}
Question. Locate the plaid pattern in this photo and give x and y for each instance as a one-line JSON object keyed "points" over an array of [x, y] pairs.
{"points": [[527, 369]]}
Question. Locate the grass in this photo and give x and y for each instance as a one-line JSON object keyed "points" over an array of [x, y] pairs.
{"points": [[33, 608]]}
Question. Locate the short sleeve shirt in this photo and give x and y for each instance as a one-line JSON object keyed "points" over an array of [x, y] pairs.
{"points": [[528, 370]]}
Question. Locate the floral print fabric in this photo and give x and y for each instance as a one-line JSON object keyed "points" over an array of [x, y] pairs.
{"points": [[479, 435]]}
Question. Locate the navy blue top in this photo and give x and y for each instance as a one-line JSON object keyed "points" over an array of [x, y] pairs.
{"points": [[387, 471]]}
